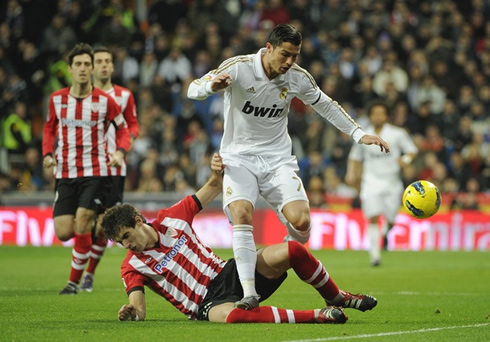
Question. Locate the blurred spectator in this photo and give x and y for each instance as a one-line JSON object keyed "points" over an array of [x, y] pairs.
{"points": [[428, 92], [58, 38], [465, 134], [175, 69], [390, 73], [148, 68], [276, 12], [125, 67], [17, 132], [115, 33], [449, 121]]}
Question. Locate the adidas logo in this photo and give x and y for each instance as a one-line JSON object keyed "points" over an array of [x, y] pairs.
{"points": [[251, 90]]}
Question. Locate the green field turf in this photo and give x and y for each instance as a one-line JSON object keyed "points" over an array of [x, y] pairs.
{"points": [[423, 296]]}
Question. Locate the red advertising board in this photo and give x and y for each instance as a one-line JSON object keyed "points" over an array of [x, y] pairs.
{"points": [[462, 230]]}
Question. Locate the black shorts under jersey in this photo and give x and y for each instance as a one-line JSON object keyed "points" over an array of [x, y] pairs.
{"points": [[82, 192], [115, 195], [226, 288]]}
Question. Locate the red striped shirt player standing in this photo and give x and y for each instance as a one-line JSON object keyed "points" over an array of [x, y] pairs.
{"points": [[78, 119], [103, 69], [168, 257]]}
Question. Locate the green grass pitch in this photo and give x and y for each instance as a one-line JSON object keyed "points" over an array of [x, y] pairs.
{"points": [[422, 296]]}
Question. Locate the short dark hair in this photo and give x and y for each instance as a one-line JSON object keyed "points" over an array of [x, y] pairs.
{"points": [[81, 49], [117, 217], [102, 48], [376, 103], [285, 33]]}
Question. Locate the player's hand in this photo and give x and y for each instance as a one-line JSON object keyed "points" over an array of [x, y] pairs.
{"points": [[375, 140], [127, 312], [217, 163], [220, 82], [116, 159], [49, 161]]}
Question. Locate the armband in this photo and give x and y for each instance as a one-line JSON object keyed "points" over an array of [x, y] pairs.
{"points": [[406, 159]]}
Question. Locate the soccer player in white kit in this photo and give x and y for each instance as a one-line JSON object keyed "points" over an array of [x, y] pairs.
{"points": [[256, 147], [381, 183]]}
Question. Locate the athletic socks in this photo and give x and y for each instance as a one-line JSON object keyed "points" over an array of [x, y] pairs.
{"points": [[298, 235], [80, 254], [311, 271], [271, 314], [374, 240], [245, 256], [96, 252]]}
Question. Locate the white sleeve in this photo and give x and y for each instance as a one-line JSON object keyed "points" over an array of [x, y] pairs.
{"points": [[200, 89], [312, 95], [333, 112]]}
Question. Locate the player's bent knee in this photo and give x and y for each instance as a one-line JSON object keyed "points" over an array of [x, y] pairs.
{"points": [[241, 213], [301, 222], [64, 236]]}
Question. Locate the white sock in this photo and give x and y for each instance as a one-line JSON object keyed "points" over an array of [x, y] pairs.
{"points": [[245, 257], [374, 239], [298, 235]]}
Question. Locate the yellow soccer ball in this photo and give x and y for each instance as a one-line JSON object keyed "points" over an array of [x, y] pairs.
{"points": [[421, 199]]}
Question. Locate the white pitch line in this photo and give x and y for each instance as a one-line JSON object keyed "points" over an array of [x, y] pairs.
{"points": [[337, 338]]}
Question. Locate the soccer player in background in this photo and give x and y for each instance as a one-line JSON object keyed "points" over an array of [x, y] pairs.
{"points": [[380, 175], [103, 69], [79, 117], [169, 258], [256, 147]]}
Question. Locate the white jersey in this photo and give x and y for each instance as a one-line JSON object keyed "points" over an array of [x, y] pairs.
{"points": [[381, 171], [256, 108]]}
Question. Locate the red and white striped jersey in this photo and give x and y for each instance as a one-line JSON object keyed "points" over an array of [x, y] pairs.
{"points": [[79, 126], [180, 267], [124, 98]]}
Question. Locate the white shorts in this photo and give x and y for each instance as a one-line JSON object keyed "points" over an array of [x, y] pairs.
{"points": [[274, 178], [386, 203]]}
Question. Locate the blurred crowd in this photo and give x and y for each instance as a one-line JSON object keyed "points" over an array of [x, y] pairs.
{"points": [[428, 60]]}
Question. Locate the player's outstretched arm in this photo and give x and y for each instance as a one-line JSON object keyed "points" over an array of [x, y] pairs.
{"points": [[376, 140], [214, 185], [135, 310]]}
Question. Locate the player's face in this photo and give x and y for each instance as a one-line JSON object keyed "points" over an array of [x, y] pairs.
{"points": [[282, 57], [103, 66], [135, 239], [81, 69], [378, 116]]}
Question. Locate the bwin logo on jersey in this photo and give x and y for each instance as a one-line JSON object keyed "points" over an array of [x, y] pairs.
{"points": [[262, 111]]}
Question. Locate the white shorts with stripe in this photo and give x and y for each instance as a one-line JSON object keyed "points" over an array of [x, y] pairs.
{"points": [[274, 178], [384, 202]]}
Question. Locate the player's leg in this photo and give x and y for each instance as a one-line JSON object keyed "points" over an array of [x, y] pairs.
{"points": [[218, 305], [272, 261], [392, 205], [297, 214], [240, 191], [64, 209], [113, 195], [373, 208], [89, 189], [226, 313], [285, 192]]}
